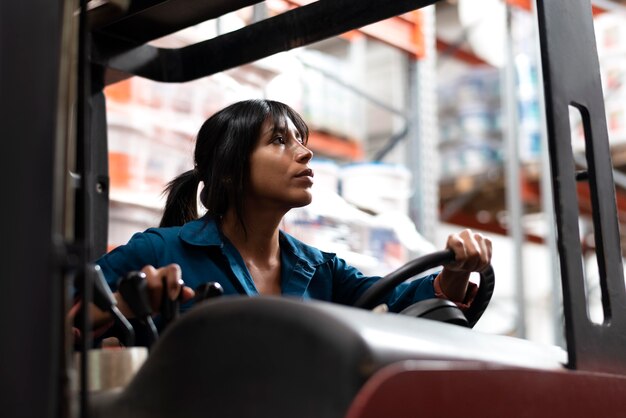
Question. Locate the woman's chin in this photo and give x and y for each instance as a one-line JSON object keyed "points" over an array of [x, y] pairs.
{"points": [[304, 200]]}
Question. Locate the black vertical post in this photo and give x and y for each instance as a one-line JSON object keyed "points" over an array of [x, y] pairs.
{"points": [[98, 175], [83, 213], [31, 286], [572, 78], [92, 195]]}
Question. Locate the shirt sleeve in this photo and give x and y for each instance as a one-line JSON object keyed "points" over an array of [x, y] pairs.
{"points": [[135, 255], [349, 284]]}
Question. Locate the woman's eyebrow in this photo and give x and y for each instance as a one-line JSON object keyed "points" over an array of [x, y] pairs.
{"points": [[270, 130], [280, 130]]}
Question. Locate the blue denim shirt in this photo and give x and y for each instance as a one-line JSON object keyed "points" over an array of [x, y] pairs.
{"points": [[205, 254]]}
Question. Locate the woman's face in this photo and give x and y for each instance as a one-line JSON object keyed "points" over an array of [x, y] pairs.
{"points": [[279, 173]]}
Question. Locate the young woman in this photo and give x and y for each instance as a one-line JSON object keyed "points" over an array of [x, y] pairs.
{"points": [[253, 161]]}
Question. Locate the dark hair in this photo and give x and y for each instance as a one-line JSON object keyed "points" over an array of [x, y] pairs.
{"points": [[222, 160]]}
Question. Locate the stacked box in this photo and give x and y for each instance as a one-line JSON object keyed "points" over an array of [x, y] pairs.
{"points": [[470, 122]]}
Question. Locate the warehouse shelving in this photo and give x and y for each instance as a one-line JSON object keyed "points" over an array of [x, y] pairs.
{"points": [[477, 199]]}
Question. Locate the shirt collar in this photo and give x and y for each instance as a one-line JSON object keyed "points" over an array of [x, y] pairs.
{"points": [[310, 255], [204, 232], [201, 232]]}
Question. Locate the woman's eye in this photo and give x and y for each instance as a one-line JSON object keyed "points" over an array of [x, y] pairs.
{"points": [[279, 140]]}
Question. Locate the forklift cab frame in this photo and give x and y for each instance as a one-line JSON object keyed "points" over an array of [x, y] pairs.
{"points": [[53, 112]]}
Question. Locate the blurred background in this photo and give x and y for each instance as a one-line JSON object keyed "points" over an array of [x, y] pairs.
{"points": [[421, 125]]}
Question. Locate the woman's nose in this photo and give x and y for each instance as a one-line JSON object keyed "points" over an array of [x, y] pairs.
{"points": [[303, 154]]}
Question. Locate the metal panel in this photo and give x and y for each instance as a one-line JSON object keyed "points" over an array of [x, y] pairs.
{"points": [[31, 312], [572, 77]]}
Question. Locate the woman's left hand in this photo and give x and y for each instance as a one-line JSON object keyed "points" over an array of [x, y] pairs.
{"points": [[472, 252]]}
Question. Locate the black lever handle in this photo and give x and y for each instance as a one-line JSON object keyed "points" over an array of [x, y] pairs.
{"points": [[133, 288], [102, 296], [104, 299], [208, 290], [169, 308]]}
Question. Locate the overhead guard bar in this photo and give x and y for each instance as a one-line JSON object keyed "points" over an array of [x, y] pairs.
{"points": [[147, 20], [297, 27]]}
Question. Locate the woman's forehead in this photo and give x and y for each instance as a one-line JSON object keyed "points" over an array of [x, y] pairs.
{"points": [[277, 123]]}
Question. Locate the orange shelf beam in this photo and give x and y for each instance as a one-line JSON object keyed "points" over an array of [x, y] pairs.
{"points": [[460, 54], [332, 146], [403, 32]]}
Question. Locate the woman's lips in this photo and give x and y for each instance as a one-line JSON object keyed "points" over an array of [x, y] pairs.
{"points": [[305, 176], [305, 173]]}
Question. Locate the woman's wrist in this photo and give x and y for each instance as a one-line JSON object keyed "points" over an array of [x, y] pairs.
{"points": [[452, 284]]}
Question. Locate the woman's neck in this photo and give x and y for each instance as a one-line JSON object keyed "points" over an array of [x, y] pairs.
{"points": [[259, 240], [259, 247]]}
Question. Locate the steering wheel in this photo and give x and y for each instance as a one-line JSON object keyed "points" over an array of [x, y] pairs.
{"points": [[437, 309]]}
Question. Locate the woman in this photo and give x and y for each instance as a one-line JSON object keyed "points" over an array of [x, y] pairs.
{"points": [[253, 160]]}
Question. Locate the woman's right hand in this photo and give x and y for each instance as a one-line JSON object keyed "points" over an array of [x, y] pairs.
{"points": [[174, 285]]}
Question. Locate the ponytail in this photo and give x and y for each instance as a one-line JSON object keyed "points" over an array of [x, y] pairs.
{"points": [[181, 205]]}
